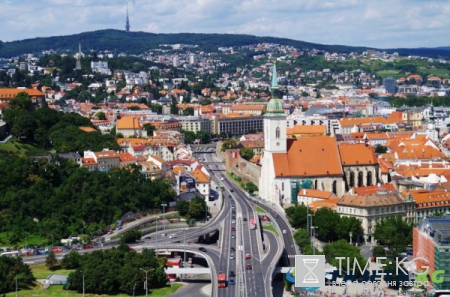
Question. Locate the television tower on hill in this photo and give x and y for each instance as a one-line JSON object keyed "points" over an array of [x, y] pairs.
{"points": [[127, 22]]}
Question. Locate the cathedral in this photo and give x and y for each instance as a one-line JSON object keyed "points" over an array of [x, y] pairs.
{"points": [[316, 162]]}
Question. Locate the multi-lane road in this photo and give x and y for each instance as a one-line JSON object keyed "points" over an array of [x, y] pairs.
{"points": [[236, 240]]}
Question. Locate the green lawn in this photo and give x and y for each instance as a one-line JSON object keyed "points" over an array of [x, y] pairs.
{"points": [[22, 148], [40, 271], [386, 73], [271, 228], [437, 72], [57, 291], [259, 209]]}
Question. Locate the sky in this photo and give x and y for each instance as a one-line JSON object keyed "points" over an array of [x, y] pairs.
{"points": [[371, 23]]}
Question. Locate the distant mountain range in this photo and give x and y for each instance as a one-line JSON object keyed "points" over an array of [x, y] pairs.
{"points": [[139, 42]]}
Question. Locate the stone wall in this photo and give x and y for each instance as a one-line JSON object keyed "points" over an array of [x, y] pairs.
{"points": [[220, 155], [241, 167]]}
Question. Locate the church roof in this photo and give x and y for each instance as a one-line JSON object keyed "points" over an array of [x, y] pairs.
{"points": [[357, 154], [308, 156]]}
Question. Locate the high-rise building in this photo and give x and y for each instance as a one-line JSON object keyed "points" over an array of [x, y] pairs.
{"points": [[390, 85], [78, 57], [431, 246], [176, 61], [192, 59], [127, 22]]}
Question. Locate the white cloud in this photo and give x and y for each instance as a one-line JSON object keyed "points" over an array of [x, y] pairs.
{"points": [[381, 23]]}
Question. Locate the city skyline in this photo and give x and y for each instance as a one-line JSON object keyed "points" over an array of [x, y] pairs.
{"points": [[380, 24]]}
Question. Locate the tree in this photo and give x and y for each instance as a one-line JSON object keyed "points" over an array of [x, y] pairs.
{"points": [[72, 260], [297, 215], [302, 239], [247, 153], [50, 260], [10, 268], [101, 115], [131, 236], [393, 231], [183, 207], [197, 208], [189, 136], [251, 187], [20, 101], [189, 111], [378, 251], [341, 248], [228, 144], [380, 149], [326, 221], [149, 128]]}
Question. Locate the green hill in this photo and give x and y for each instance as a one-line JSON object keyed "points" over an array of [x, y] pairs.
{"points": [[139, 42]]}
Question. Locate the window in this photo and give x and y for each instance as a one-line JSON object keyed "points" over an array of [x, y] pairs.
{"points": [[277, 133], [282, 186]]}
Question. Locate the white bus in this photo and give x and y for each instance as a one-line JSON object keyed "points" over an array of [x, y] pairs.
{"points": [[10, 254]]}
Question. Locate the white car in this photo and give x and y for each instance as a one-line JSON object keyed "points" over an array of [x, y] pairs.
{"points": [[284, 231], [172, 236], [233, 222], [222, 179]]}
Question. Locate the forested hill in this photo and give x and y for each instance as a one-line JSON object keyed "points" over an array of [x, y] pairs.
{"points": [[139, 42]]}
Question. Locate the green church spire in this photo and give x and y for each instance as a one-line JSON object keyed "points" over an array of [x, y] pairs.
{"points": [[274, 77]]}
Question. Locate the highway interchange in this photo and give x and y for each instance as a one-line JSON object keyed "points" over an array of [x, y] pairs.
{"points": [[248, 282]]}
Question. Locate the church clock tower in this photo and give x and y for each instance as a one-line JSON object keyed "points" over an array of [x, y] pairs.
{"points": [[275, 139], [275, 122]]}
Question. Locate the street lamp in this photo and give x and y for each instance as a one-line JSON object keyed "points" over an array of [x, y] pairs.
{"points": [[313, 239], [309, 223], [134, 288], [67, 289], [164, 215], [82, 273], [185, 231], [16, 284], [146, 280], [156, 236]]}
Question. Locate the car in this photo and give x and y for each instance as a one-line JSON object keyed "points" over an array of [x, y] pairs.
{"points": [[233, 222], [233, 217], [231, 190], [202, 249], [232, 282], [276, 215], [147, 237], [232, 249], [409, 253], [233, 229], [284, 231], [172, 236], [233, 207], [245, 219], [248, 267], [248, 256], [222, 179], [232, 274], [233, 212], [230, 196], [233, 236], [232, 257], [163, 234]]}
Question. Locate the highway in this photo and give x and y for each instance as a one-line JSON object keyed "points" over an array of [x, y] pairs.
{"points": [[239, 242]]}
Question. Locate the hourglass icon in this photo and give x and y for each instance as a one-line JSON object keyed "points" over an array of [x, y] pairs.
{"points": [[310, 277]]}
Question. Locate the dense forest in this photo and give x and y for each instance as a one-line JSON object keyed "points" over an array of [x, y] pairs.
{"points": [[114, 271], [55, 198], [50, 129], [140, 42]]}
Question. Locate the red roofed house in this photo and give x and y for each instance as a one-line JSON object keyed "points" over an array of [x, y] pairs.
{"points": [[130, 126]]}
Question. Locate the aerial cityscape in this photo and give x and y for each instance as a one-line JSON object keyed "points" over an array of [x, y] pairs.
{"points": [[145, 161]]}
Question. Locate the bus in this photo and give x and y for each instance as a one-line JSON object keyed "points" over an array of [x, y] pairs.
{"points": [[222, 280], [252, 224], [10, 254]]}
